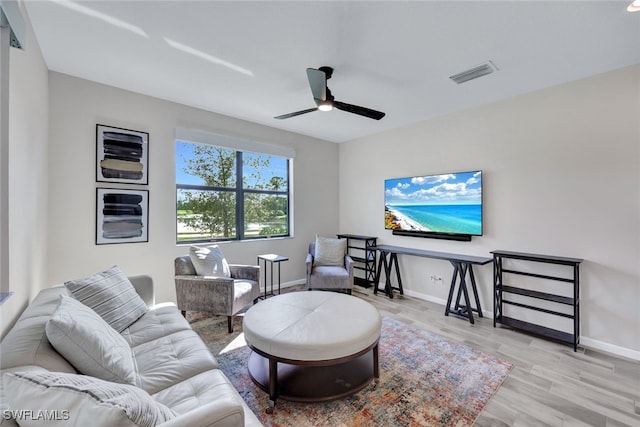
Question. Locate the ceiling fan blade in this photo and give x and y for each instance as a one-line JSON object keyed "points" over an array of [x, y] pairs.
{"points": [[362, 111], [297, 113], [318, 84]]}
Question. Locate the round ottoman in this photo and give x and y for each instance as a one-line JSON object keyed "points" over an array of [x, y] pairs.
{"points": [[312, 346]]}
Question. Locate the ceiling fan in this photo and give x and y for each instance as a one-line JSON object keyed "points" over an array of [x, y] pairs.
{"points": [[325, 100]]}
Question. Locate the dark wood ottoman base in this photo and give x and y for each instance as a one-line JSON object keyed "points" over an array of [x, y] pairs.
{"points": [[313, 381]]}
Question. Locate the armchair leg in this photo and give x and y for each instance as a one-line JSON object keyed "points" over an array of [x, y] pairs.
{"points": [[230, 324]]}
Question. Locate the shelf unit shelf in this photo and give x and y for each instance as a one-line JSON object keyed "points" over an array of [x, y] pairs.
{"points": [[500, 289], [362, 249]]}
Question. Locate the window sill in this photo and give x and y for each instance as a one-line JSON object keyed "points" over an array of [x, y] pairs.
{"points": [[224, 242]]}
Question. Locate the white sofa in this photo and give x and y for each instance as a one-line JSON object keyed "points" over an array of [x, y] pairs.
{"points": [[174, 365]]}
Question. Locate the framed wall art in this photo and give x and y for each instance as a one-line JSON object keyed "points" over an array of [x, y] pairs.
{"points": [[122, 216], [122, 155]]}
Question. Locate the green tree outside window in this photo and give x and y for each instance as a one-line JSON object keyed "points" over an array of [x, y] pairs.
{"points": [[224, 194]]}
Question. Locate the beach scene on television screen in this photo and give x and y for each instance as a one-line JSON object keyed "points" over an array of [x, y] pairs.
{"points": [[448, 203]]}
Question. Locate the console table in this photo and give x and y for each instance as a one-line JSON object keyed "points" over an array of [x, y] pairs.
{"points": [[504, 288], [364, 256], [462, 266]]}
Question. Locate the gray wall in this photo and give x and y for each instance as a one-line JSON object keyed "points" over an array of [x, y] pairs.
{"points": [[78, 105], [561, 177], [28, 166]]}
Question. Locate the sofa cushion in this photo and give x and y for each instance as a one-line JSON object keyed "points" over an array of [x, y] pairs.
{"points": [[159, 321], [82, 400], [89, 343], [171, 359], [111, 295], [200, 390], [209, 261], [330, 251]]}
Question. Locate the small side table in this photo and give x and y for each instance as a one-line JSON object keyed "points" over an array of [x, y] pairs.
{"points": [[271, 258]]}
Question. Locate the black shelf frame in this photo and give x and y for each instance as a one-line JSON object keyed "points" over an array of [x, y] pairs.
{"points": [[365, 263], [500, 289]]}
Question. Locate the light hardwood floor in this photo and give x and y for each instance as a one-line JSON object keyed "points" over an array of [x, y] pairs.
{"points": [[550, 384]]}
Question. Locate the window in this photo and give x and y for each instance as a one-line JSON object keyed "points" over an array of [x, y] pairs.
{"points": [[227, 194]]}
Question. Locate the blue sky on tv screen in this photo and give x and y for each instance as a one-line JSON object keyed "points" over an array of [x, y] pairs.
{"points": [[463, 188]]}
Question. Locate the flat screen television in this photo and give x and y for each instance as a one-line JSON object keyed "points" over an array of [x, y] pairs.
{"points": [[442, 206]]}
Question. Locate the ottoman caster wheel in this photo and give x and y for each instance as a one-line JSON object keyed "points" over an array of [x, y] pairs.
{"points": [[271, 407]]}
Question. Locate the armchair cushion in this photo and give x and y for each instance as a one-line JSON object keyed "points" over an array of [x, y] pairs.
{"points": [[328, 276], [209, 261], [329, 251], [111, 295], [217, 295]]}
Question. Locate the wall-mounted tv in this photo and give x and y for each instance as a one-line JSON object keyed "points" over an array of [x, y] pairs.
{"points": [[442, 206]]}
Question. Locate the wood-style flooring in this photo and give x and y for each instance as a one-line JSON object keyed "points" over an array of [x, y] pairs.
{"points": [[550, 384]]}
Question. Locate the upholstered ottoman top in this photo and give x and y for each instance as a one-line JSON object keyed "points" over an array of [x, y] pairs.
{"points": [[312, 325]]}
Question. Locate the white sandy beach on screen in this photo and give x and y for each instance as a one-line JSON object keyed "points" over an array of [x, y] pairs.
{"points": [[407, 223]]}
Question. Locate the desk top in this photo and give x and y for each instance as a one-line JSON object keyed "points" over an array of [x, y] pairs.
{"points": [[470, 259]]}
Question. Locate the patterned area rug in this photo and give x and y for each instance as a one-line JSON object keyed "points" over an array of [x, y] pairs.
{"points": [[425, 380]]}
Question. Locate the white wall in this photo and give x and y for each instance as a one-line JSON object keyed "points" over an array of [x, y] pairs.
{"points": [[561, 177], [28, 127], [77, 105]]}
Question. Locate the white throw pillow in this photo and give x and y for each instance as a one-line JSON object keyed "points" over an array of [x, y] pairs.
{"points": [[330, 251], [111, 295], [79, 400], [209, 261], [89, 343]]}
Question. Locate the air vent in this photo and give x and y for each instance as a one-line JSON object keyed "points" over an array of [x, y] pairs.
{"points": [[474, 73]]}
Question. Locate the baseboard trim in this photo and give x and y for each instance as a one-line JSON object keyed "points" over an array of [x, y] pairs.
{"points": [[282, 285], [616, 350], [440, 301], [585, 342]]}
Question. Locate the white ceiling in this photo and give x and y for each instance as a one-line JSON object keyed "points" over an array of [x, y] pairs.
{"points": [[248, 59]]}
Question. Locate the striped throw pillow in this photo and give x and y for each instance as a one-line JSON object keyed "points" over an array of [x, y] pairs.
{"points": [[111, 295]]}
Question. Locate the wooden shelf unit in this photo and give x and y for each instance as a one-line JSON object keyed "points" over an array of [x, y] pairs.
{"points": [[500, 290], [362, 249]]}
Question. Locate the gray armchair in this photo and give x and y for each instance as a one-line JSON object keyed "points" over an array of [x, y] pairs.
{"points": [[217, 295], [328, 276]]}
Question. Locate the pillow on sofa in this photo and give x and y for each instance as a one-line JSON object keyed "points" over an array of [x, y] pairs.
{"points": [[111, 295], [209, 261], [82, 400], [89, 343], [330, 251]]}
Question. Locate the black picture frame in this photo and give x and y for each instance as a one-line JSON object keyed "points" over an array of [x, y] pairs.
{"points": [[122, 216], [122, 155]]}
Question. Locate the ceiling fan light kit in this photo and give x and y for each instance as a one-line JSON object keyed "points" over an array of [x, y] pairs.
{"points": [[325, 101], [325, 106], [634, 7]]}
